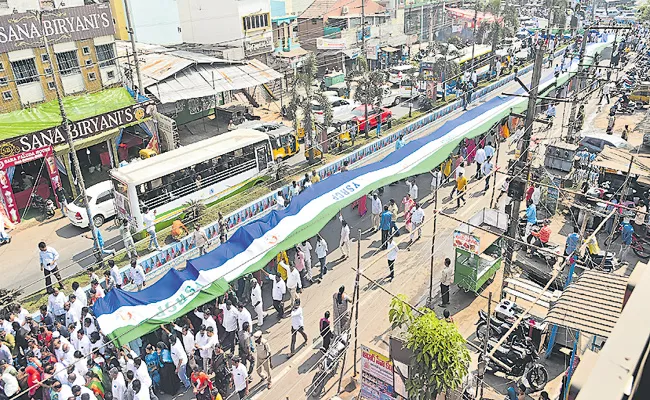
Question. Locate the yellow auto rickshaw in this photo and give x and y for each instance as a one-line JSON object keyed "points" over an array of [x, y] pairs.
{"points": [[641, 93], [337, 135], [284, 144]]}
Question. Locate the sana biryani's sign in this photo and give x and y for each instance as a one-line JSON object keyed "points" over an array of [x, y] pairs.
{"points": [[85, 128], [24, 30]]}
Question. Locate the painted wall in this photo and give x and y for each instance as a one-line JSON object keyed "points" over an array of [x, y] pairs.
{"points": [[119, 19], [156, 21], [209, 21]]}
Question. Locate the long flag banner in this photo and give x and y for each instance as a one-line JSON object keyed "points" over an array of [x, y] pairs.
{"points": [[124, 316]]}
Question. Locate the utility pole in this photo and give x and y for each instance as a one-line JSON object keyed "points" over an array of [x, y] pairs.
{"points": [[481, 368], [70, 141], [522, 163], [127, 11], [433, 243], [580, 75], [363, 51], [474, 36]]}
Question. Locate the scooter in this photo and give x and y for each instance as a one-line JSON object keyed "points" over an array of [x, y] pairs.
{"points": [[328, 364], [521, 361], [550, 252], [46, 207], [594, 257]]}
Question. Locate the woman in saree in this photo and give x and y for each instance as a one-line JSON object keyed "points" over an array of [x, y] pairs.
{"points": [[340, 308], [153, 363], [202, 384], [169, 382], [409, 204]]}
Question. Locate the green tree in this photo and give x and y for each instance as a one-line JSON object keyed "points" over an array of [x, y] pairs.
{"points": [[445, 64], [644, 12], [441, 359], [304, 92], [369, 89]]}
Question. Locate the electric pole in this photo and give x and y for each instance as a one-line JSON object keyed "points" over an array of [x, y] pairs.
{"points": [[522, 166], [127, 11], [70, 141], [363, 51], [580, 76], [474, 36]]}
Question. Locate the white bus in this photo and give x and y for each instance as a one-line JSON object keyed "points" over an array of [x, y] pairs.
{"points": [[206, 171]]}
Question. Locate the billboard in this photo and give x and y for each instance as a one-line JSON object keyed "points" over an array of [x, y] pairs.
{"points": [[25, 30]]}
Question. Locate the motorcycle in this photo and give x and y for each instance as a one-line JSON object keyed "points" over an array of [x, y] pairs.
{"points": [[498, 328], [594, 257], [328, 364], [550, 253], [521, 360], [46, 207]]}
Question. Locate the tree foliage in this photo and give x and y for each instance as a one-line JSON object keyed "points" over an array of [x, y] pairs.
{"points": [[643, 12], [303, 94], [441, 358], [445, 64], [369, 84]]}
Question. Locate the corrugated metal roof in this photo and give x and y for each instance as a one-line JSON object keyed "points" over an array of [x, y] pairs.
{"points": [[208, 80], [592, 304]]}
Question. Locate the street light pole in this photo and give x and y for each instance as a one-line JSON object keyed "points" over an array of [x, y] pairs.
{"points": [[127, 11], [474, 36], [70, 141]]}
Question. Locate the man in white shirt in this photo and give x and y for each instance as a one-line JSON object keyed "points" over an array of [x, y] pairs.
{"points": [[412, 189], [445, 282], [243, 315], [321, 253], [537, 195], [83, 343], [80, 294], [206, 350], [436, 180], [392, 256], [239, 377], [486, 170], [49, 259], [480, 159], [79, 391], [115, 274], [55, 304], [230, 325], [61, 391], [206, 318], [143, 376], [279, 289], [345, 238], [149, 220], [9, 381], [71, 317], [297, 325], [118, 385], [376, 210], [417, 219], [179, 357], [200, 340], [294, 283], [280, 200], [489, 150], [137, 275], [256, 301], [188, 339]]}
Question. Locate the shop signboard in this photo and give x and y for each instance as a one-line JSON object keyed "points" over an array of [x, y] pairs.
{"points": [[24, 30], [376, 375], [257, 46], [330, 44], [6, 163], [467, 241], [87, 127]]}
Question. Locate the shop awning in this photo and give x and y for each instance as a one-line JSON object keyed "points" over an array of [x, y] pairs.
{"points": [[389, 49], [87, 142], [297, 52]]}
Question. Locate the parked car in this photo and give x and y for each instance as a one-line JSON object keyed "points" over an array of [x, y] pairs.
{"points": [[596, 142], [340, 107], [374, 115], [102, 207]]}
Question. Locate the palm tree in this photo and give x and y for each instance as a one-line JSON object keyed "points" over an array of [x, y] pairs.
{"points": [[304, 81], [369, 86], [445, 64]]}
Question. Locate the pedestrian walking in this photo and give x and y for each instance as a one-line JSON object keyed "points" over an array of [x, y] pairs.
{"points": [[625, 133], [480, 158], [137, 275], [149, 219], [604, 93], [437, 179], [325, 331], [279, 289], [239, 377], [321, 253], [280, 201], [246, 348], [49, 259], [460, 170], [345, 239], [4, 237], [223, 228], [626, 237], [412, 189], [461, 187], [127, 239], [297, 325], [263, 358], [200, 239], [305, 248], [385, 225], [341, 314], [180, 360], [486, 170], [392, 207], [62, 198], [445, 282], [417, 219], [536, 196], [294, 284], [392, 256], [257, 302], [99, 245], [115, 274], [376, 209], [230, 322], [489, 151]]}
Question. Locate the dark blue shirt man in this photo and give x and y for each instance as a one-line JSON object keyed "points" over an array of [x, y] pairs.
{"points": [[385, 224]]}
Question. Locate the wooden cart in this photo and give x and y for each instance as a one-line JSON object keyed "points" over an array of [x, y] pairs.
{"points": [[478, 253]]}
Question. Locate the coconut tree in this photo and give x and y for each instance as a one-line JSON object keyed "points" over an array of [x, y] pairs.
{"points": [[445, 64], [369, 86], [304, 93]]}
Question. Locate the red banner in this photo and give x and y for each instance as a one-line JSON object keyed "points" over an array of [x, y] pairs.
{"points": [[5, 185]]}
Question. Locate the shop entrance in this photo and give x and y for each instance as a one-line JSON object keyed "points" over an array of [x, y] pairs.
{"points": [[32, 172]]}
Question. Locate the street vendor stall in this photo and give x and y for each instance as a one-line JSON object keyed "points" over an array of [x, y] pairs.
{"points": [[478, 252]]}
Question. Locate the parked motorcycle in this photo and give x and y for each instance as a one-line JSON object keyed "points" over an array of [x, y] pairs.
{"points": [[46, 207], [593, 258], [498, 328], [522, 360], [328, 364]]}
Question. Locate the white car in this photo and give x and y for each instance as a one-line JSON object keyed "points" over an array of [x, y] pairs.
{"points": [[340, 107], [513, 43], [102, 207], [596, 142]]}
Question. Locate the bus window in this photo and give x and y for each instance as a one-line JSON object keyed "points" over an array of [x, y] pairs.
{"points": [[120, 188]]}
